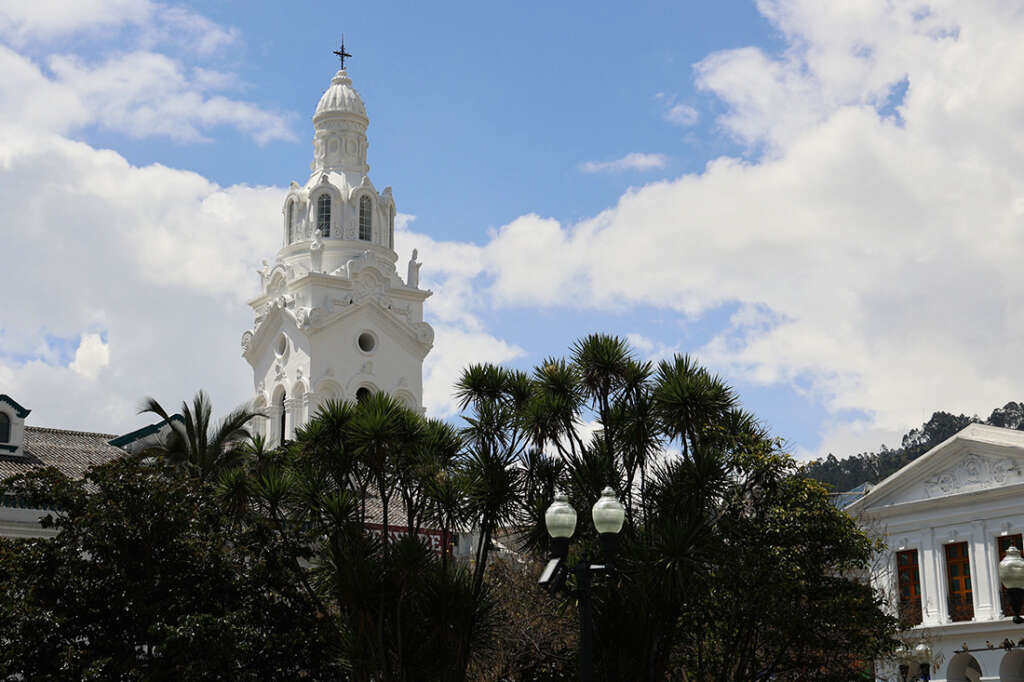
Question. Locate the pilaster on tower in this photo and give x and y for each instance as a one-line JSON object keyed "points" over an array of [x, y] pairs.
{"points": [[333, 318]]}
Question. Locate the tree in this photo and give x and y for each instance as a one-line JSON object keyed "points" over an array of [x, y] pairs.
{"points": [[537, 636], [724, 546], [401, 611], [196, 444], [872, 467], [145, 581]]}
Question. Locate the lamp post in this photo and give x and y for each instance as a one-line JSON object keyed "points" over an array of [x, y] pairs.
{"points": [[923, 652], [608, 515], [1011, 575], [903, 658]]}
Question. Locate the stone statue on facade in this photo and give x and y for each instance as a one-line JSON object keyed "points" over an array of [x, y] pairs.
{"points": [[316, 251], [413, 279]]}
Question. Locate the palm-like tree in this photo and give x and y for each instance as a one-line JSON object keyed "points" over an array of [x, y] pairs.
{"points": [[195, 443], [382, 428]]}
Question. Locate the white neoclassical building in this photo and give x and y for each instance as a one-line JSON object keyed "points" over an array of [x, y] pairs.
{"points": [[947, 518], [334, 319]]}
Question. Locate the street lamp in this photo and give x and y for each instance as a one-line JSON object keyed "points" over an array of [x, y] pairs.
{"points": [[903, 658], [560, 519], [924, 657], [1011, 574]]}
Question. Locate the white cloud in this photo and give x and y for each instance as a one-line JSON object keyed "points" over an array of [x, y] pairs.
{"points": [[631, 161], [682, 115], [456, 348], [152, 23], [652, 350], [159, 260], [21, 21], [874, 249], [875, 256], [91, 357], [147, 94], [136, 91], [676, 112]]}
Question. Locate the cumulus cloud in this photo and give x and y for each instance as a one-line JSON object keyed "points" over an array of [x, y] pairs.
{"points": [[873, 246], [631, 161], [151, 23], [159, 259], [138, 91], [91, 356], [870, 241], [141, 94]]}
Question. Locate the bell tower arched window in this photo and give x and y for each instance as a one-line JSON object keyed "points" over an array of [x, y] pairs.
{"points": [[365, 219], [323, 215], [391, 227], [289, 221], [5, 428]]}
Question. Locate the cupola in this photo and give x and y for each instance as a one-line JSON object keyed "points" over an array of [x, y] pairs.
{"points": [[340, 99], [340, 122]]}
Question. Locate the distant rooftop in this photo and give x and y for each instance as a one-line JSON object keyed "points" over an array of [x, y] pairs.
{"points": [[846, 498], [71, 452]]}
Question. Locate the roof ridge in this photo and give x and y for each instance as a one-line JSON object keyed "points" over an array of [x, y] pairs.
{"points": [[51, 429]]}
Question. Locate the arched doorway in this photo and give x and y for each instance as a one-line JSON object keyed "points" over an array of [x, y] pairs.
{"points": [[1011, 669], [963, 668]]}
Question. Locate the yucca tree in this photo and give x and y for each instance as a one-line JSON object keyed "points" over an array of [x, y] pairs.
{"points": [[699, 477], [495, 441], [381, 430], [421, 469], [195, 443]]}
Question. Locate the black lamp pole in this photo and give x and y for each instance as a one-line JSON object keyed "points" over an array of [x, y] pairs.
{"points": [[583, 583], [560, 519]]}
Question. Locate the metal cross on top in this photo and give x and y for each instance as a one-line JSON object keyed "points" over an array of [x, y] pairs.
{"points": [[341, 51]]}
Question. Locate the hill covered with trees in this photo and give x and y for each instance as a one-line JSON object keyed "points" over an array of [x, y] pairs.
{"points": [[872, 467]]}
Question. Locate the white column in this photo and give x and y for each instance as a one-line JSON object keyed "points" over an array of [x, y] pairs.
{"points": [[981, 558], [933, 589], [291, 407], [308, 406], [274, 435]]}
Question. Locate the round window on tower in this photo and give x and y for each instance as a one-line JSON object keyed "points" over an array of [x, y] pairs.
{"points": [[367, 342], [281, 349], [362, 394]]}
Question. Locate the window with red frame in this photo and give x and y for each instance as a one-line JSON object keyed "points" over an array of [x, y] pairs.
{"points": [[958, 576], [1004, 542], [909, 576]]}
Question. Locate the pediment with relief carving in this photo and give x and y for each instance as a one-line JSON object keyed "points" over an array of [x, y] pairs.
{"points": [[973, 472]]}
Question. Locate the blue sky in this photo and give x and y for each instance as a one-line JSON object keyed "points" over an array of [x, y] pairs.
{"points": [[773, 186]]}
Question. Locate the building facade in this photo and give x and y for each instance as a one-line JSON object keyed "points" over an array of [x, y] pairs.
{"points": [[948, 518], [333, 318]]}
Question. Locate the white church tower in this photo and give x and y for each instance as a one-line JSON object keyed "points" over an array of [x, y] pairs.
{"points": [[333, 319]]}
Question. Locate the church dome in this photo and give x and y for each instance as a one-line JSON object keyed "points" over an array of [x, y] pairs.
{"points": [[340, 98]]}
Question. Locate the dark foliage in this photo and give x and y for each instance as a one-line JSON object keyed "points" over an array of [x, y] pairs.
{"points": [[732, 566], [144, 581]]}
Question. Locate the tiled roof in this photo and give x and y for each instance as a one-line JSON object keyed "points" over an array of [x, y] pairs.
{"points": [[375, 512], [71, 452]]}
